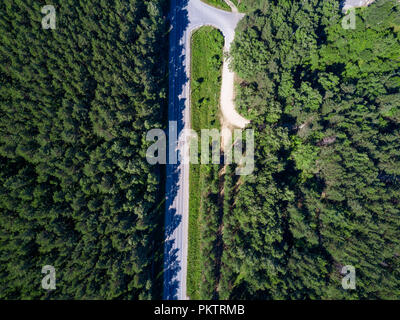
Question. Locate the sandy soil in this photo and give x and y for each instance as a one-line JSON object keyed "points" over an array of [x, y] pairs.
{"points": [[230, 118]]}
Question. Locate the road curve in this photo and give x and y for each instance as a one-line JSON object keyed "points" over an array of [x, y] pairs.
{"points": [[185, 17]]}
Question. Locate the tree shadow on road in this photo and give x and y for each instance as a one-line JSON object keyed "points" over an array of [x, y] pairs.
{"points": [[179, 21]]}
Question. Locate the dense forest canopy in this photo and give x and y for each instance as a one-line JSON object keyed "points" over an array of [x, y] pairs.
{"points": [[76, 191], [204, 199], [324, 102]]}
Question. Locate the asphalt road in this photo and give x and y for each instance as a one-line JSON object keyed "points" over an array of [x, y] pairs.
{"points": [[185, 17]]}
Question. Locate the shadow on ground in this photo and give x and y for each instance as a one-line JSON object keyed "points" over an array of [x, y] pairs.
{"points": [[177, 78]]}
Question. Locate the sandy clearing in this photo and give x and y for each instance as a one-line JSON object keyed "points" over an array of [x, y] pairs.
{"points": [[230, 118]]}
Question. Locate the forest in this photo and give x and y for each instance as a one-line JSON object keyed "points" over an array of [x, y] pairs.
{"points": [[220, 4], [76, 191], [324, 101]]}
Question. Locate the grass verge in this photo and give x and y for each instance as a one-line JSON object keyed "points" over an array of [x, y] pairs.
{"points": [[206, 62]]}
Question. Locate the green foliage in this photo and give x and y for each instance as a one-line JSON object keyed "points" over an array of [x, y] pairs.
{"points": [[220, 4], [207, 44], [323, 101], [305, 157], [76, 190], [206, 64]]}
